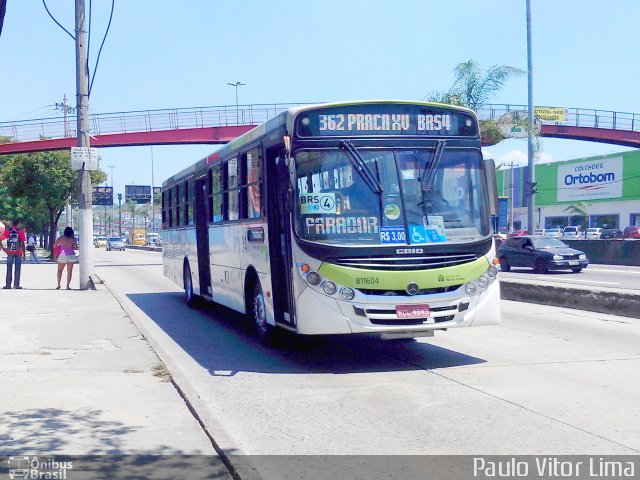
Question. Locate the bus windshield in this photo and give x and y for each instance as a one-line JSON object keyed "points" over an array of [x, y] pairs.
{"points": [[335, 203]]}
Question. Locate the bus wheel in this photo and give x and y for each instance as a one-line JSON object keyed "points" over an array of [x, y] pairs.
{"points": [[259, 314], [189, 297]]}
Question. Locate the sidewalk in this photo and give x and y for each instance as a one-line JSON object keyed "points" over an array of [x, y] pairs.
{"points": [[78, 378]]}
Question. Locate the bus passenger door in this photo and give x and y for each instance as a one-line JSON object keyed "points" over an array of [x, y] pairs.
{"points": [[202, 236], [278, 215]]}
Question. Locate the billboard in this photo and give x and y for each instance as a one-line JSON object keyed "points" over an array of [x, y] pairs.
{"points": [[140, 194], [102, 195], [590, 180]]}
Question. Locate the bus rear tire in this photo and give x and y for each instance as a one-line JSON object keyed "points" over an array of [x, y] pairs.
{"points": [[189, 297], [258, 314]]}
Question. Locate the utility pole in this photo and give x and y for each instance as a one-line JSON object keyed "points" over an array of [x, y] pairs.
{"points": [[84, 176], [66, 110], [530, 190], [153, 216]]}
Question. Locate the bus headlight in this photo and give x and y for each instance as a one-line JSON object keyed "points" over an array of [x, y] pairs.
{"points": [[470, 288], [347, 293], [329, 287], [313, 278], [492, 271], [483, 282]]}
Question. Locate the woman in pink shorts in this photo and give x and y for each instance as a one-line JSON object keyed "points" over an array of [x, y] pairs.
{"points": [[67, 256]]}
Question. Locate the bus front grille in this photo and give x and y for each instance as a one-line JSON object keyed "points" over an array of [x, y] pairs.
{"points": [[403, 293], [406, 263]]}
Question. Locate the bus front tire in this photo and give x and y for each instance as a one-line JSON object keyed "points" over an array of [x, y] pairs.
{"points": [[189, 297], [262, 328]]}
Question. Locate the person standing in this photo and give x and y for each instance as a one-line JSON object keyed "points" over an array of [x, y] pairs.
{"points": [[67, 246], [31, 248], [15, 251]]}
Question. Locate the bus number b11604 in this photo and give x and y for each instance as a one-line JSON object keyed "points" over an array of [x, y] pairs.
{"points": [[367, 280]]}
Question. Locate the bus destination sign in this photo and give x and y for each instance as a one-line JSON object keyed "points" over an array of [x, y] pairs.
{"points": [[386, 119]]}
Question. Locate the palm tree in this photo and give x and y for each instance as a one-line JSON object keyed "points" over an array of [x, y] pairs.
{"points": [[579, 209], [132, 207], [473, 87]]}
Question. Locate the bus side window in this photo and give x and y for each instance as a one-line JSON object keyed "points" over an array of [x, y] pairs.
{"points": [[215, 195], [164, 210], [231, 206], [178, 205], [185, 205], [251, 193]]}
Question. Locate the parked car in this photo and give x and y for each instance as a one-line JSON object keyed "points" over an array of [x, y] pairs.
{"points": [[518, 233], [539, 231], [553, 232], [100, 242], [631, 232], [610, 233], [115, 243], [571, 232], [540, 253], [593, 233]]}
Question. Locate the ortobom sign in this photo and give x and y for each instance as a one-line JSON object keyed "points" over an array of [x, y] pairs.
{"points": [[591, 180]]}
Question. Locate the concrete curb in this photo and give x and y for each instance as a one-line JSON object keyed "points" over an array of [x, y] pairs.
{"points": [[144, 247], [595, 300]]}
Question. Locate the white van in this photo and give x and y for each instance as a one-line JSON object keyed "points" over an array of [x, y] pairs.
{"points": [[593, 233], [572, 232], [153, 239]]}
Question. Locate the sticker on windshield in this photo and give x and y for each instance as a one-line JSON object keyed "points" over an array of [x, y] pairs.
{"points": [[392, 211], [317, 203], [390, 234], [433, 233]]}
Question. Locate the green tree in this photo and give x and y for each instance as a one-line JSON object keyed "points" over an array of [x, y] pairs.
{"points": [[579, 210], [41, 184]]}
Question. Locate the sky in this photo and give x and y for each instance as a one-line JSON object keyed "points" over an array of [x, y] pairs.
{"points": [[165, 54]]}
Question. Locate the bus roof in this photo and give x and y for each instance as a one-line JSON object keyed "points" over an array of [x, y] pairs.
{"points": [[286, 119]]}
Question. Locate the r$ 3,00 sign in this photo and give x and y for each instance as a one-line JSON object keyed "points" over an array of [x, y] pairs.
{"points": [[317, 203]]}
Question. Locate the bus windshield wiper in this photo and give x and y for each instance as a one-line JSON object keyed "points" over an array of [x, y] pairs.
{"points": [[429, 172], [361, 167]]}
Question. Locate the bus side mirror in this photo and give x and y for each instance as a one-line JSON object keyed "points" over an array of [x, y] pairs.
{"points": [[492, 187]]}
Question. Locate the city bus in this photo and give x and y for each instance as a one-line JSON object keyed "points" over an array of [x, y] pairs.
{"points": [[341, 218]]}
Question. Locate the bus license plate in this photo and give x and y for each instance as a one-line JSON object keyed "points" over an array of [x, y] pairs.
{"points": [[413, 311]]}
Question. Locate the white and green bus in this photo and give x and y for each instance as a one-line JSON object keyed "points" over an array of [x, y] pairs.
{"points": [[341, 218]]}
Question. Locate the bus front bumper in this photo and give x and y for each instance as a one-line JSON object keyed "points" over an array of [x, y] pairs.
{"points": [[321, 314]]}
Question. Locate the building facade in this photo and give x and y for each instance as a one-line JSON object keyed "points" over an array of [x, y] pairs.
{"points": [[601, 191]]}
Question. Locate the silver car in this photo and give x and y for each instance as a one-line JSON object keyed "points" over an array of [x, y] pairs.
{"points": [[115, 243]]}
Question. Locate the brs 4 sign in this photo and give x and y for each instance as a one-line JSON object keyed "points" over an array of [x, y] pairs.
{"points": [[413, 311]]}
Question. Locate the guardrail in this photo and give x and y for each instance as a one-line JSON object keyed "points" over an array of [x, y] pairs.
{"points": [[144, 121], [227, 115], [574, 117]]}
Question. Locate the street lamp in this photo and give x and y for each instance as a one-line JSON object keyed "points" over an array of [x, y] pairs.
{"points": [[236, 85], [120, 215], [105, 205]]}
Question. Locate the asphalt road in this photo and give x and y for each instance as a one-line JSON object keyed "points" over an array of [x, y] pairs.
{"points": [[608, 276], [545, 381]]}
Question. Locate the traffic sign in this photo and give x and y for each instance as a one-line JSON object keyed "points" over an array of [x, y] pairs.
{"points": [[84, 158]]}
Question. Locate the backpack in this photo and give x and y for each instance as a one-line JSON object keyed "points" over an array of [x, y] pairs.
{"points": [[13, 242]]}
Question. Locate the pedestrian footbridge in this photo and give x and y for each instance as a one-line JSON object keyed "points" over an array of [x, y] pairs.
{"points": [[221, 124]]}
